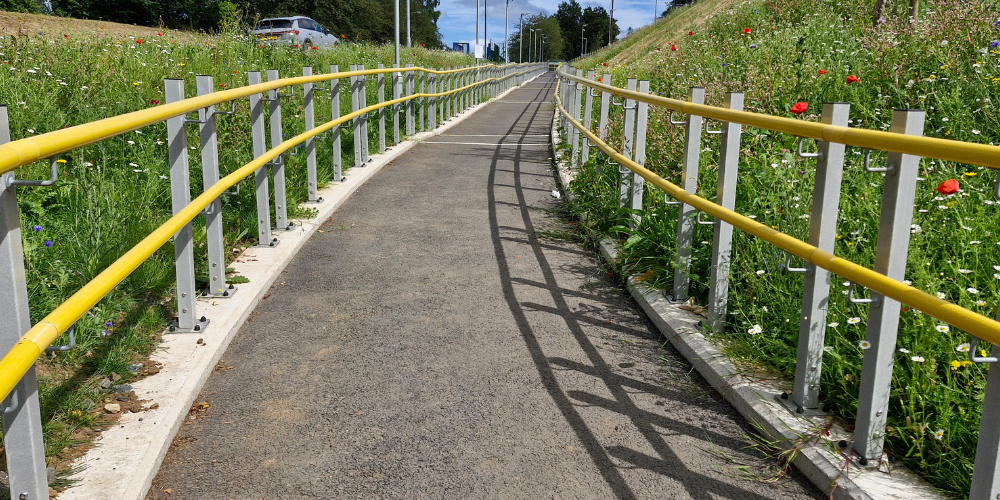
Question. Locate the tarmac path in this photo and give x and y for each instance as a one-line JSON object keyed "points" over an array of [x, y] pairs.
{"points": [[431, 342]]}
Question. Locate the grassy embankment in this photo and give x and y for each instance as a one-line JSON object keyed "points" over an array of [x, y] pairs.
{"points": [[780, 52], [113, 193]]}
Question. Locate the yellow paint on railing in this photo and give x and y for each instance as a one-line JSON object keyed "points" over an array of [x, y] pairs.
{"points": [[31, 149], [930, 147], [19, 359], [982, 327]]}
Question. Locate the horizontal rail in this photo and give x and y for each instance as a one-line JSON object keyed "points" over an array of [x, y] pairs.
{"points": [[930, 147], [971, 322], [16, 362], [16, 154]]}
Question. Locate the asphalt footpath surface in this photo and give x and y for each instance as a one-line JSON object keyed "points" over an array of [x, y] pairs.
{"points": [[438, 340]]}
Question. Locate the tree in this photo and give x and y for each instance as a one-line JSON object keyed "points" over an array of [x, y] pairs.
{"points": [[549, 27], [596, 21], [569, 16]]}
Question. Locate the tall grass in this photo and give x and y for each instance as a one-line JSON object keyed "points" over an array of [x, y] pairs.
{"points": [[111, 194], [948, 63]]}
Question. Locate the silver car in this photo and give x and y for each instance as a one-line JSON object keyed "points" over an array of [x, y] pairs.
{"points": [[296, 30]]}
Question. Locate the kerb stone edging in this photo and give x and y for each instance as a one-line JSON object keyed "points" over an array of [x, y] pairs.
{"points": [[818, 457], [127, 456]]}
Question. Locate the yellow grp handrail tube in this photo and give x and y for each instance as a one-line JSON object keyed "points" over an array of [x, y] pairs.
{"points": [[16, 362], [930, 147], [25, 151], [982, 327]]}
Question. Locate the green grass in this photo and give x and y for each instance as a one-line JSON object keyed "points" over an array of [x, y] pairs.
{"points": [[113, 193], [946, 64]]}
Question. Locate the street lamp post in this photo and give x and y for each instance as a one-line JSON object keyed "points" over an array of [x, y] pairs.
{"points": [[611, 22], [397, 33], [506, 31], [581, 38], [520, 45], [541, 48], [531, 45], [409, 43], [477, 30]]}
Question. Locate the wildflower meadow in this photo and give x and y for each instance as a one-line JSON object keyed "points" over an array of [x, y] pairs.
{"points": [[789, 57]]}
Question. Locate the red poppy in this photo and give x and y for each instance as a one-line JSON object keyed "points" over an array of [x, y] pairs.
{"points": [[314, 47], [222, 85], [799, 108], [852, 79], [138, 41], [949, 186], [343, 36], [673, 48], [261, 46], [822, 71], [605, 64], [66, 36], [690, 33], [599, 79], [296, 46], [154, 102], [159, 34], [746, 31]]}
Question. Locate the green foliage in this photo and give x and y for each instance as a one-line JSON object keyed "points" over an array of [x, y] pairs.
{"points": [[548, 26], [944, 63], [19, 5]]}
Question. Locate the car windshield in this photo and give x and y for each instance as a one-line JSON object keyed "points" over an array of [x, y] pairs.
{"points": [[274, 24]]}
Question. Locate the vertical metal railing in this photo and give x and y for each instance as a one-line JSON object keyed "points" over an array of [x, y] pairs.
{"points": [[900, 178], [22, 429]]}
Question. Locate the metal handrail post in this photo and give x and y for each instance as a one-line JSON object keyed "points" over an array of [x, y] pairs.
{"points": [[213, 214], [309, 110], [891, 249], [261, 182], [422, 118], [180, 196], [577, 114], [397, 92], [410, 129], [450, 98], [588, 118], [356, 121], [986, 474], [602, 124], [689, 181], [432, 112], [816, 285], [338, 159], [639, 154], [363, 103], [628, 141], [725, 195], [381, 111], [278, 168], [22, 423]]}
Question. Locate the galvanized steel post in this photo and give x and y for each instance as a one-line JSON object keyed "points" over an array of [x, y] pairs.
{"points": [[338, 160], [213, 213], [639, 154], [381, 111], [310, 117], [363, 103], [432, 112], [257, 135], [822, 235], [689, 181], [588, 118], [602, 124], [278, 171], [180, 196], [725, 195], [397, 92], [422, 119], [628, 140], [986, 474], [891, 249], [21, 412], [356, 121], [409, 104]]}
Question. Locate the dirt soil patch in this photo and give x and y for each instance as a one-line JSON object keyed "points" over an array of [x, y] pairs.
{"points": [[16, 23]]}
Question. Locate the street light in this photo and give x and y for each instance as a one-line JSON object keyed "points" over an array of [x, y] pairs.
{"points": [[531, 45], [541, 49], [520, 45], [611, 22], [581, 38], [506, 31]]}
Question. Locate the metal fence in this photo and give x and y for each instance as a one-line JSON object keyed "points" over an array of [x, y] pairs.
{"points": [[905, 146], [448, 92]]}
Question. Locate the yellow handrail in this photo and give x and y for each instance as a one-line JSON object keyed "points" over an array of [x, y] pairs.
{"points": [[982, 327], [19, 359], [31, 149], [942, 149]]}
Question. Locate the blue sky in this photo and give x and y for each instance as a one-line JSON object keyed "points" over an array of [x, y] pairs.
{"points": [[458, 17]]}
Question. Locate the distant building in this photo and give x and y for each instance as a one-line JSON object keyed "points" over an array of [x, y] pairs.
{"points": [[460, 47]]}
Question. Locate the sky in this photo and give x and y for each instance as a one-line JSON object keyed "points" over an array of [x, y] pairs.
{"points": [[458, 17]]}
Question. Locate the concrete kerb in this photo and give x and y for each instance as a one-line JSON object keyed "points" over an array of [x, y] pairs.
{"points": [[812, 439], [127, 456]]}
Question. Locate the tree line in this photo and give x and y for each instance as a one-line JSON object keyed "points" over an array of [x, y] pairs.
{"points": [[355, 20], [567, 34]]}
